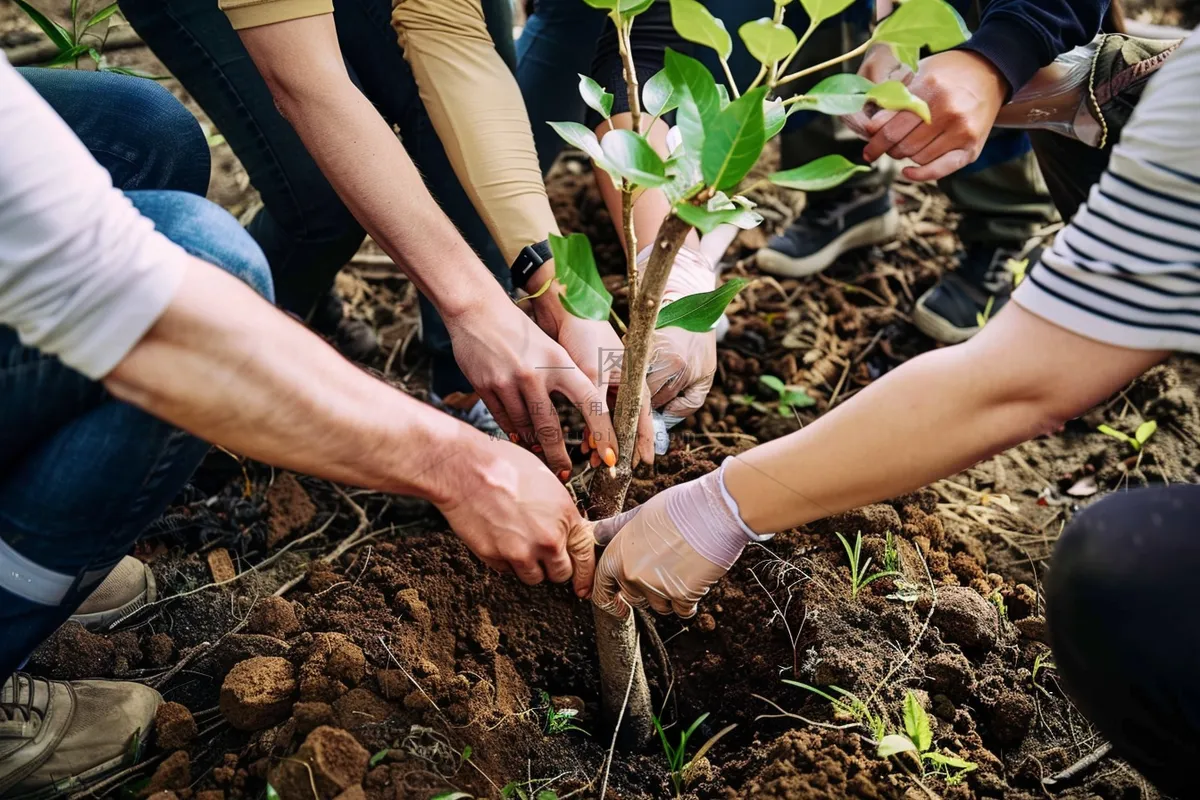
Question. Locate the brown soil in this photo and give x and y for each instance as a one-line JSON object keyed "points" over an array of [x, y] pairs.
{"points": [[258, 693], [174, 727]]}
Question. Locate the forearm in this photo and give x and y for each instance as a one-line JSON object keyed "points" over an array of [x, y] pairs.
{"points": [[477, 110], [225, 366], [367, 164], [930, 418]]}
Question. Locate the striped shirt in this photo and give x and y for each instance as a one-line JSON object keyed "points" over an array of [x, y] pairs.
{"points": [[1126, 271]]}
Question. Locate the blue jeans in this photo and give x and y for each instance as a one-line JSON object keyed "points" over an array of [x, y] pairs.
{"points": [[81, 473], [304, 228]]}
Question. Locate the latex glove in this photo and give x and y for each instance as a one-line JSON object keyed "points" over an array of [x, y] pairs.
{"points": [[965, 92], [682, 364], [515, 366], [597, 351], [516, 517], [878, 66], [667, 553]]}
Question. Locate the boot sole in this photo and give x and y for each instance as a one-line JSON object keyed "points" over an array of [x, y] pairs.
{"points": [[81, 781], [864, 234], [102, 619], [939, 328]]}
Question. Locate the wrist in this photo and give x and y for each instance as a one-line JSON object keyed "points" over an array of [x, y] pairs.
{"points": [[450, 451]]}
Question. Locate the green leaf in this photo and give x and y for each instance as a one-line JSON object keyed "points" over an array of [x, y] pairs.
{"points": [[707, 221], [68, 56], [57, 33], [594, 95], [1118, 435], [686, 180], [699, 312], [916, 723], [768, 41], [821, 10], [696, 24], [699, 102], [893, 744], [450, 796], [734, 141], [626, 9], [272, 792], [838, 95], [775, 115], [546, 794], [817, 176], [378, 757], [659, 95], [723, 95], [1145, 431], [775, 385], [922, 23], [579, 136], [101, 15], [950, 761], [895, 96], [632, 157], [575, 268], [795, 398]]}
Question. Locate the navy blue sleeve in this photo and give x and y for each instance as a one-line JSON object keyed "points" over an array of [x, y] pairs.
{"points": [[1022, 36]]}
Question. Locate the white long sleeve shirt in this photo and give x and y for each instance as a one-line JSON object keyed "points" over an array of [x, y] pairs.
{"points": [[83, 275]]}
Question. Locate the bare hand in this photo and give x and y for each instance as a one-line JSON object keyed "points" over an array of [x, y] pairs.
{"points": [[515, 367], [515, 517], [879, 66], [965, 92]]}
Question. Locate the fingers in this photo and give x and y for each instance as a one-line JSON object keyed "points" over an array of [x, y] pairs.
{"points": [[521, 426], [690, 401], [940, 167], [558, 566], [497, 565], [645, 431], [684, 609], [605, 592], [548, 431], [877, 121], [606, 529], [915, 142], [581, 549], [498, 413], [529, 572], [588, 399], [890, 134]]}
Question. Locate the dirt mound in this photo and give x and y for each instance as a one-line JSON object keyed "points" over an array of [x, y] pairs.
{"points": [[174, 726], [258, 693], [330, 761]]}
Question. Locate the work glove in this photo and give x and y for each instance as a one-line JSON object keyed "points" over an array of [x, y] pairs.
{"points": [[682, 363], [667, 553]]}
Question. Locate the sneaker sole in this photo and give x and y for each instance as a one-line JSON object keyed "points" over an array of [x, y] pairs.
{"points": [[864, 234], [81, 781], [102, 619], [937, 327]]}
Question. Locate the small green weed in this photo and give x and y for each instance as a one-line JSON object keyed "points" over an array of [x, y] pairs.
{"points": [[521, 791], [982, 317], [891, 554], [559, 720], [918, 740], [1139, 438], [677, 759], [997, 599], [789, 397], [71, 42], [859, 570], [848, 706], [1040, 663]]}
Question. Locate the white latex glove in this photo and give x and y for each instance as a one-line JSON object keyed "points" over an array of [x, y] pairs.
{"points": [[668, 553]]}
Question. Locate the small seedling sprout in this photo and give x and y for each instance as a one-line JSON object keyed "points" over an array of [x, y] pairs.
{"points": [[859, 570], [677, 760], [848, 706], [891, 554], [917, 740], [982, 317], [997, 599], [1040, 663], [1139, 438], [789, 397]]}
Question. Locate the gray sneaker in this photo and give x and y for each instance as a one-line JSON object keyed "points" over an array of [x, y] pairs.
{"points": [[126, 589], [57, 737]]}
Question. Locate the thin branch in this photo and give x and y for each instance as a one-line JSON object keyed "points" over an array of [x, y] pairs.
{"points": [[855, 53]]}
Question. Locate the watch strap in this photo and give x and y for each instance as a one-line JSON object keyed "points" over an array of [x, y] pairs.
{"points": [[528, 261]]}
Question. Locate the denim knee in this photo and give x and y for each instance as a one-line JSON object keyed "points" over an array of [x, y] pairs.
{"points": [[207, 231], [133, 127]]}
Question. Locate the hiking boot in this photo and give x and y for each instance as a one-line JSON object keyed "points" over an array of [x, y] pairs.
{"points": [[952, 311], [56, 737], [833, 223], [470, 409], [126, 589]]}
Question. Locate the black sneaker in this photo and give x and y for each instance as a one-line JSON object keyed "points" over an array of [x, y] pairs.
{"points": [[833, 223], [963, 300]]}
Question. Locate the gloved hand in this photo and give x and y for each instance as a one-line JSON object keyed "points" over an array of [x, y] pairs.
{"points": [[682, 364], [668, 552]]}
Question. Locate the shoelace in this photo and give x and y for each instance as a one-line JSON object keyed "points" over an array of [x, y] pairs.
{"points": [[16, 716]]}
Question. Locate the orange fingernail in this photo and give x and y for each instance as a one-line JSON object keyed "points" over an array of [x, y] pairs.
{"points": [[591, 440], [537, 448], [565, 475], [610, 457], [512, 437]]}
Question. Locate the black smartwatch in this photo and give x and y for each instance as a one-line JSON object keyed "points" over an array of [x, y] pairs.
{"points": [[528, 261]]}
